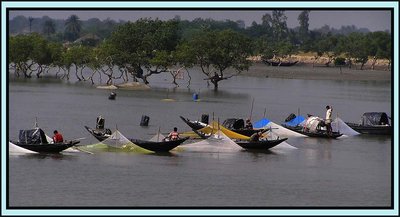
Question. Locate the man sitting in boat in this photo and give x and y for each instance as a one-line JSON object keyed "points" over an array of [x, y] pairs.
{"points": [[248, 125], [174, 135], [57, 138], [257, 136]]}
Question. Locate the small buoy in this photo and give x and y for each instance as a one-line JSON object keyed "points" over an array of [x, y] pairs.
{"points": [[112, 96], [144, 122], [195, 97]]}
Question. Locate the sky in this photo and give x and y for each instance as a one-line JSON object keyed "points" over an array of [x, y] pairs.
{"points": [[374, 20]]}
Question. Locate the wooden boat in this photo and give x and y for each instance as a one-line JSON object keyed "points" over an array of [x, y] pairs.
{"points": [[35, 140], [163, 146], [99, 134], [277, 63], [376, 123], [195, 125], [260, 145], [47, 147], [373, 130], [317, 133], [238, 126]]}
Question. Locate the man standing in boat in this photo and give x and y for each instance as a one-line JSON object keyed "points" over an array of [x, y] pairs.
{"points": [[328, 120], [57, 138]]}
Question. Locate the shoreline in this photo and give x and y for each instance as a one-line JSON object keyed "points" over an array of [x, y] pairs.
{"points": [[307, 72]]}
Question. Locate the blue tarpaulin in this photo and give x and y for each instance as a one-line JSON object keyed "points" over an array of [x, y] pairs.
{"points": [[296, 121], [261, 123]]}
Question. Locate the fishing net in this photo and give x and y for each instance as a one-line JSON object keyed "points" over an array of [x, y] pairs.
{"points": [[340, 126], [157, 138], [15, 149], [276, 128], [217, 142], [117, 140]]}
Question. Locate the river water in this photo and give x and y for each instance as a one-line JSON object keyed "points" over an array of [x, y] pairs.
{"points": [[354, 171]]}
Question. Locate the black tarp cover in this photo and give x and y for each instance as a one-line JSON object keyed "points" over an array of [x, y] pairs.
{"points": [[374, 118], [32, 136], [233, 123]]}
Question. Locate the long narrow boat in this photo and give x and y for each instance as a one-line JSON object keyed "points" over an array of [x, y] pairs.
{"points": [[373, 130], [318, 133], [277, 63], [47, 147], [35, 140], [376, 123], [163, 146], [99, 134], [260, 145], [195, 125]]}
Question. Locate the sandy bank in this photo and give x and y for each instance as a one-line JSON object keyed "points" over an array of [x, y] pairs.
{"points": [[308, 72]]}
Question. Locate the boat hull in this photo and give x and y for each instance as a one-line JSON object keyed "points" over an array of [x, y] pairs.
{"points": [[99, 135], [164, 146], [319, 134], [373, 130], [47, 148], [260, 145]]}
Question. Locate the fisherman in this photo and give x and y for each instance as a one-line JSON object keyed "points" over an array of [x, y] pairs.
{"points": [[57, 138], [248, 124], [257, 135], [174, 135], [328, 120]]}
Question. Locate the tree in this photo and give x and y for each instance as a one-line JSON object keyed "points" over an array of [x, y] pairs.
{"points": [[303, 29], [215, 52], [30, 23], [146, 44], [49, 27], [380, 46], [19, 51], [72, 28], [279, 26]]}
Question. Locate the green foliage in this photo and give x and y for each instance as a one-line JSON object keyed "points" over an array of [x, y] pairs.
{"points": [[216, 51], [340, 61], [49, 27]]}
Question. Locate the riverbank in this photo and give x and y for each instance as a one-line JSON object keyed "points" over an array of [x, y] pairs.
{"points": [[319, 72]]}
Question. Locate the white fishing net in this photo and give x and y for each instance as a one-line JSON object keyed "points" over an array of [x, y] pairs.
{"points": [[157, 138], [117, 140], [218, 142], [339, 125], [282, 132], [15, 149]]}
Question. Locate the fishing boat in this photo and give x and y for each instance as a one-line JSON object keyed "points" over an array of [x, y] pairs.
{"points": [[375, 123], [35, 140], [312, 127], [237, 125], [260, 145], [99, 134], [317, 133], [162, 146], [279, 63], [195, 125]]}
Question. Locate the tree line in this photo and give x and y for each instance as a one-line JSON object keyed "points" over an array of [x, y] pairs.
{"points": [[146, 47]]}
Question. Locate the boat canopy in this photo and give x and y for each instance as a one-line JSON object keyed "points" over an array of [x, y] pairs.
{"points": [[374, 118], [32, 136], [233, 123], [294, 120]]}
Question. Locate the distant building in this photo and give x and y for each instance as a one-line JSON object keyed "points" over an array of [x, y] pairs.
{"points": [[88, 39]]}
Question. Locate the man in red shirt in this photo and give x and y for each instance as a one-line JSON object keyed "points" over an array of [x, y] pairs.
{"points": [[57, 138]]}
